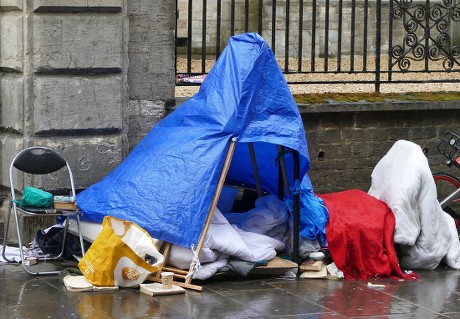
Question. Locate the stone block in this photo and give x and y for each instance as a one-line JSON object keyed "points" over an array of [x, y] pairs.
{"points": [[143, 7], [11, 38], [78, 5], [140, 117], [28, 226], [151, 42], [78, 104], [10, 5], [146, 108], [139, 126], [11, 103], [86, 43], [423, 133], [59, 3], [151, 79], [90, 159], [144, 36], [9, 147]]}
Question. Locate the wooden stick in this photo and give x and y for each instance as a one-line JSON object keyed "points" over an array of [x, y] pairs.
{"points": [[220, 185], [166, 250], [180, 284]]}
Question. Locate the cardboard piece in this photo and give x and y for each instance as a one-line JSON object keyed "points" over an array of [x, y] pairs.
{"points": [[312, 264], [156, 289], [275, 266], [322, 273], [80, 283]]}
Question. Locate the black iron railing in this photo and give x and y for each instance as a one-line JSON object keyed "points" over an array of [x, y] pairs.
{"points": [[328, 41]]}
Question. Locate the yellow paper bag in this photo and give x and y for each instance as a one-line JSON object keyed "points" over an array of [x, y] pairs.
{"points": [[123, 254]]}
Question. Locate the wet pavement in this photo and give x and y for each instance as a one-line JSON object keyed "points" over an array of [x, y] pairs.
{"points": [[435, 295]]}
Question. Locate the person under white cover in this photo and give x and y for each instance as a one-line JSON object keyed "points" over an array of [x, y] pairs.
{"points": [[426, 234]]}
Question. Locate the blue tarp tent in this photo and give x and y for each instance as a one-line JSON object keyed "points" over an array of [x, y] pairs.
{"points": [[167, 183]]}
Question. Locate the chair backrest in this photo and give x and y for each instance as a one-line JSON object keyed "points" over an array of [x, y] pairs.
{"points": [[39, 160]]}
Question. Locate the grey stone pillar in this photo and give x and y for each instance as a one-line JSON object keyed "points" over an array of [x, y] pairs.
{"points": [[151, 72], [87, 77]]}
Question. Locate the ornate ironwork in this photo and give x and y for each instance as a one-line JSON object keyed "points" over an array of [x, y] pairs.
{"points": [[426, 37], [329, 41]]}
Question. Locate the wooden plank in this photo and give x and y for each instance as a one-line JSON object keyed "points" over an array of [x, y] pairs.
{"points": [[178, 283], [179, 273], [220, 185]]}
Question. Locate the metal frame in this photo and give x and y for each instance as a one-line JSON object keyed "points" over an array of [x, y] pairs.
{"points": [[417, 41], [39, 212]]}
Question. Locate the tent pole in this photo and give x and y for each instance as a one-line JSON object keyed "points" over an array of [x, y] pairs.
{"points": [[215, 199], [283, 168], [296, 218], [255, 169], [280, 183]]}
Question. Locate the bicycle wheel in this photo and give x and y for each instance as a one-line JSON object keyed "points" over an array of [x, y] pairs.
{"points": [[445, 185]]}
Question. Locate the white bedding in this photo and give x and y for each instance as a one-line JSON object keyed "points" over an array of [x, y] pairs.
{"points": [[256, 235], [225, 240], [403, 180], [89, 230]]}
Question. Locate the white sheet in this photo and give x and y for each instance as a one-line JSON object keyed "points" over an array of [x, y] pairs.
{"points": [[89, 230], [403, 180], [268, 215], [12, 253], [225, 240]]}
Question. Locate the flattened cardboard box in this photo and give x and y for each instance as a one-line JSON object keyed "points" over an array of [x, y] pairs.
{"points": [[312, 264], [156, 289]]}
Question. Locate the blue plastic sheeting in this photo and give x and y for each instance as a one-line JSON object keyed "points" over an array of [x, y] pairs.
{"points": [[166, 184], [313, 213]]}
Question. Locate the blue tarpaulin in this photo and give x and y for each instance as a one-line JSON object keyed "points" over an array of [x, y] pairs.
{"points": [[313, 212], [166, 184]]}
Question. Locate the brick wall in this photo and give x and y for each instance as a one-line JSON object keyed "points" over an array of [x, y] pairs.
{"points": [[346, 141]]}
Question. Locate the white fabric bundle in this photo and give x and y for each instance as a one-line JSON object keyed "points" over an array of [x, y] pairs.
{"points": [[225, 240], [403, 180]]}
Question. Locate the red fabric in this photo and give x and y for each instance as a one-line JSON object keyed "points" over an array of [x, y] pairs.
{"points": [[360, 236]]}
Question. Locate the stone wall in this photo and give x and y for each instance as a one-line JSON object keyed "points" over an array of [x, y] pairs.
{"points": [[151, 72], [87, 78]]}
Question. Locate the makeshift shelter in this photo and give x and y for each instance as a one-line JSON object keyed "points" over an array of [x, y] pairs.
{"points": [[236, 130]]}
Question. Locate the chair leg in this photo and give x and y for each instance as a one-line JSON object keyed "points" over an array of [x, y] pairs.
{"points": [[82, 245], [21, 252], [26, 269], [5, 232], [64, 239]]}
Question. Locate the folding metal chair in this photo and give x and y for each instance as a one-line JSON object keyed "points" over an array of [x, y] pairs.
{"points": [[39, 160]]}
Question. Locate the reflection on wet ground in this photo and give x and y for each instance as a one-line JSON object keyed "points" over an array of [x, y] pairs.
{"points": [[435, 295]]}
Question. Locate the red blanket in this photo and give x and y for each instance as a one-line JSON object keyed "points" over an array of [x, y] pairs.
{"points": [[360, 236]]}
